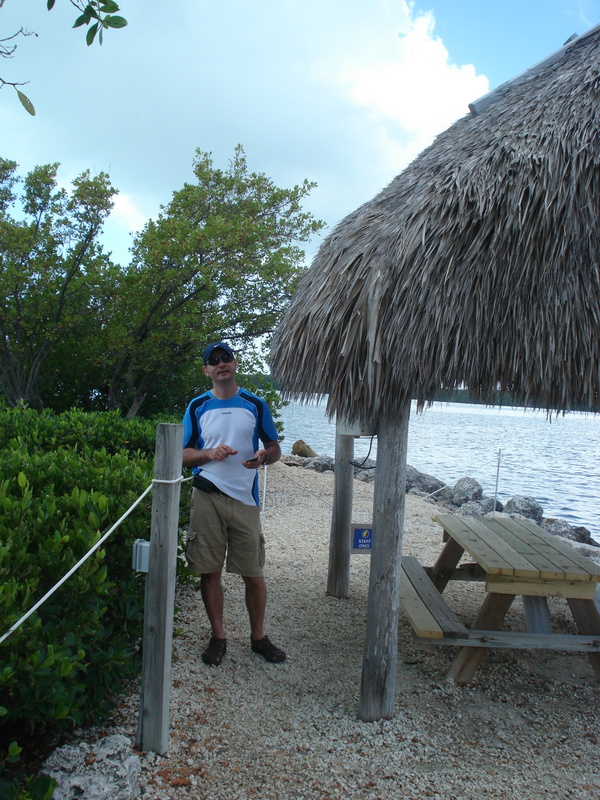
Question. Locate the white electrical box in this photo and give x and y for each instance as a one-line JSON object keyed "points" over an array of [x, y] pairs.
{"points": [[346, 428], [141, 556]]}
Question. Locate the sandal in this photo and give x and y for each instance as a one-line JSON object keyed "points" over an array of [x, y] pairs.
{"points": [[267, 650], [215, 651]]}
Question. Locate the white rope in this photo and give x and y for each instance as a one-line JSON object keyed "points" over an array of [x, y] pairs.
{"points": [[180, 479], [85, 558], [306, 489]]}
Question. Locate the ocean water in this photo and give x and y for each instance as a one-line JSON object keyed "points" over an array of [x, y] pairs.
{"points": [[556, 461]]}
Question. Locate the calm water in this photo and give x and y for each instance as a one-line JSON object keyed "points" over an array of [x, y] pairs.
{"points": [[557, 462]]}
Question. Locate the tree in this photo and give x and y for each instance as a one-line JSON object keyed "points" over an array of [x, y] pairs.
{"points": [[221, 260], [51, 266], [97, 15]]}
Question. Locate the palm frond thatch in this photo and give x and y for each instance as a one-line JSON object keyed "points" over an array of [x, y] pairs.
{"points": [[478, 265]]}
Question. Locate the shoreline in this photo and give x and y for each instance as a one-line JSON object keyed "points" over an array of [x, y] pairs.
{"points": [[465, 496], [555, 462], [248, 729]]}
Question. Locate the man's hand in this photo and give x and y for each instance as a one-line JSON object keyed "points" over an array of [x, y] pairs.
{"points": [[222, 452], [259, 458]]}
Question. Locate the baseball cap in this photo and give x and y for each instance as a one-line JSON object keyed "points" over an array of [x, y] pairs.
{"points": [[216, 346]]}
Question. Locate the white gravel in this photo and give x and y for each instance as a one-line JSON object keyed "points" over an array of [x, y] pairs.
{"points": [[526, 728]]}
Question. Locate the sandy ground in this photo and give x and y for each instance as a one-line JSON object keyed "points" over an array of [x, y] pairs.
{"points": [[526, 727]]}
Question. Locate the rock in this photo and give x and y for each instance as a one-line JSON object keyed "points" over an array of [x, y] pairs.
{"points": [[465, 490], [421, 483], [583, 535], [293, 461], [589, 552], [364, 464], [480, 508], [105, 770], [364, 470], [320, 463], [300, 448], [559, 527], [526, 507]]}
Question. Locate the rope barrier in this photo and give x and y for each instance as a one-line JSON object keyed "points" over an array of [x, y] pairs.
{"points": [[82, 560], [302, 486], [416, 498], [179, 479]]}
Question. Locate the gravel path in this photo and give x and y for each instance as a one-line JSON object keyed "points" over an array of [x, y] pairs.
{"points": [[526, 728]]}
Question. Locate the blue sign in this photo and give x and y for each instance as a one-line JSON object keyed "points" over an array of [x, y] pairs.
{"points": [[362, 537]]}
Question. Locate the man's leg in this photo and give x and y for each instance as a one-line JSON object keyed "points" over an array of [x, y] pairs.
{"points": [[212, 595], [256, 602], [211, 588]]}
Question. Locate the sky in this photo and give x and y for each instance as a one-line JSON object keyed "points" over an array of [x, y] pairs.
{"points": [[341, 92]]}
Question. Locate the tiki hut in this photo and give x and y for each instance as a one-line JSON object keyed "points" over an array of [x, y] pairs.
{"points": [[478, 266]]}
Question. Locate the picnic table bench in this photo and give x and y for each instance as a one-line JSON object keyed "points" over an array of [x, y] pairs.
{"points": [[513, 557]]}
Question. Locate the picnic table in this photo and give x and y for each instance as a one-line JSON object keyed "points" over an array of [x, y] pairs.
{"points": [[513, 557]]}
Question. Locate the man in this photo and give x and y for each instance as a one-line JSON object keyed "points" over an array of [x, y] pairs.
{"points": [[221, 436]]}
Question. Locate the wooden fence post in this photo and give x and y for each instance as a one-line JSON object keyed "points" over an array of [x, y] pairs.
{"points": [[338, 579], [160, 590], [378, 685]]}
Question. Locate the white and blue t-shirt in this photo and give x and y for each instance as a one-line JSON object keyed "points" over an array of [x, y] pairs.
{"points": [[239, 422]]}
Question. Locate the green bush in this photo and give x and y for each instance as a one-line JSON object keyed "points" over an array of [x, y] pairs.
{"points": [[48, 431], [64, 481]]}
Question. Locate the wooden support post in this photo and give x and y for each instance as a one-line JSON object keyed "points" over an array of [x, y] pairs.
{"points": [[537, 614], [338, 579], [587, 617], [378, 686], [494, 609], [160, 590]]}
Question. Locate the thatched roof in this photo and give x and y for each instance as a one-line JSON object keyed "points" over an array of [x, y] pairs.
{"points": [[478, 265]]}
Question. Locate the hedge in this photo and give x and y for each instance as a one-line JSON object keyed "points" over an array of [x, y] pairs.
{"points": [[64, 480]]}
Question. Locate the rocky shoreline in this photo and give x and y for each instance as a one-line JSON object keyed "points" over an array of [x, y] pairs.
{"points": [[464, 497]]}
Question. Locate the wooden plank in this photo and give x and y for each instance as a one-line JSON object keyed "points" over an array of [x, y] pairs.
{"points": [[490, 617], [537, 614], [466, 572], [561, 557], [380, 659], [587, 617], [340, 545], [486, 548], [511, 640], [444, 567], [421, 619], [542, 587], [160, 590], [539, 564], [420, 598]]}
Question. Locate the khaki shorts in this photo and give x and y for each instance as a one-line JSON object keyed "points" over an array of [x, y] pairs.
{"points": [[224, 531]]}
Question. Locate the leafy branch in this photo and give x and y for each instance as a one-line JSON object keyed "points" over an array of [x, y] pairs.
{"points": [[97, 15], [101, 15]]}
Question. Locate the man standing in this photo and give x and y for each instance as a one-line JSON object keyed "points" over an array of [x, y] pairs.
{"points": [[221, 436]]}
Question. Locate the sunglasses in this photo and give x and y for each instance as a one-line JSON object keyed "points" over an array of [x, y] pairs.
{"points": [[214, 360]]}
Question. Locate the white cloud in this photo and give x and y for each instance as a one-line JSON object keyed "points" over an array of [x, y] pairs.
{"points": [[126, 214], [410, 89]]}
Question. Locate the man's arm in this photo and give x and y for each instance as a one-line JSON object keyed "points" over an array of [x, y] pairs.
{"points": [[193, 457], [273, 452], [269, 454]]}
